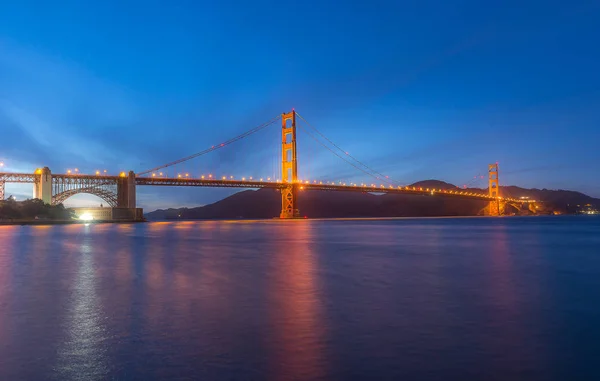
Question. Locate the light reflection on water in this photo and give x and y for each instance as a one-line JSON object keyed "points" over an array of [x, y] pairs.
{"points": [[302, 300], [83, 354]]}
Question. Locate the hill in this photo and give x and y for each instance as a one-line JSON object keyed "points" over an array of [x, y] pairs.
{"points": [[266, 203]]}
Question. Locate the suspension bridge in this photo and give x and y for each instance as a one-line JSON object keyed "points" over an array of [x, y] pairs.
{"points": [[119, 191]]}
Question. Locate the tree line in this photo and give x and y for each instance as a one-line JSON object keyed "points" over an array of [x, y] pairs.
{"points": [[33, 209]]}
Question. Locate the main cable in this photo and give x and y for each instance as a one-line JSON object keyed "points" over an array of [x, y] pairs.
{"points": [[375, 173], [338, 155], [214, 148]]}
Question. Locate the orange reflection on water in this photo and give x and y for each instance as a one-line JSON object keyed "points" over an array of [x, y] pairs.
{"points": [[502, 283], [510, 344], [299, 330]]}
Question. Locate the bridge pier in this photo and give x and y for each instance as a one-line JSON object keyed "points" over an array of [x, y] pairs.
{"points": [[289, 166], [126, 197], [2, 190], [42, 187]]}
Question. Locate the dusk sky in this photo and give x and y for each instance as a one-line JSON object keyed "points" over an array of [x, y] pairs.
{"points": [[417, 90]]}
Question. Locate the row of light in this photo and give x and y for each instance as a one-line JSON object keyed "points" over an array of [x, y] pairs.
{"points": [[210, 176], [98, 172], [231, 178], [76, 171]]}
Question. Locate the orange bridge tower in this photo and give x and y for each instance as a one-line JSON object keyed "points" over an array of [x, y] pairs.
{"points": [[289, 166], [494, 189]]}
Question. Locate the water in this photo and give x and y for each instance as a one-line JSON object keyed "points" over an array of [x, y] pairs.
{"points": [[415, 299]]}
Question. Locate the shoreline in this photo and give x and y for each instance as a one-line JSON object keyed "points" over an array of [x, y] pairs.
{"points": [[241, 220], [64, 222]]}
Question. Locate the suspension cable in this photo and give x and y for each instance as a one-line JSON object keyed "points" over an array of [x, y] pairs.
{"points": [[371, 171], [214, 148], [338, 155]]}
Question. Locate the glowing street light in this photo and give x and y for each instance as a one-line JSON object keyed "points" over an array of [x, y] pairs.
{"points": [[69, 171]]}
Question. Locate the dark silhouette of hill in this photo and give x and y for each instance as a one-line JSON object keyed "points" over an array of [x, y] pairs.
{"points": [[435, 184], [266, 203]]}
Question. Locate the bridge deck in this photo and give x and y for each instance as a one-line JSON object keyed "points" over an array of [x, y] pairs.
{"points": [[193, 182]]}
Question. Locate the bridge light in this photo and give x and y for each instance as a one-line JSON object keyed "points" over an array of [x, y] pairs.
{"points": [[122, 174], [1, 164], [76, 170], [179, 175], [209, 176], [187, 175], [250, 177], [160, 173], [154, 175], [243, 179], [261, 179], [97, 173], [268, 179], [301, 188], [105, 171], [69, 171], [224, 177]]}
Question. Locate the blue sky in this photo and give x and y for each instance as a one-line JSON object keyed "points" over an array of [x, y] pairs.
{"points": [[418, 90]]}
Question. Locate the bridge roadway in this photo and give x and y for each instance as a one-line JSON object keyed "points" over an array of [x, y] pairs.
{"points": [[91, 180]]}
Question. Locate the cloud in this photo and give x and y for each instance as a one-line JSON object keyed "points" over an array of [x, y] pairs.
{"points": [[61, 108]]}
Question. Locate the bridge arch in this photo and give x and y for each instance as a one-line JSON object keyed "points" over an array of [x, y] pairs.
{"points": [[109, 196]]}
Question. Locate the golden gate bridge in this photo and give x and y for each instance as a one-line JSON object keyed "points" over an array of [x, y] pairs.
{"points": [[120, 191]]}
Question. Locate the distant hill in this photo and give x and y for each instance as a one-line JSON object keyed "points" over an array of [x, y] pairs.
{"points": [[435, 184], [266, 203]]}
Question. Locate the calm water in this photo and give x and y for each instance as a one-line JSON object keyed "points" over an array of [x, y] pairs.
{"points": [[421, 299]]}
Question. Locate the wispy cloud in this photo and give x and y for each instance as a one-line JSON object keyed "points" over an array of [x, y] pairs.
{"points": [[60, 107]]}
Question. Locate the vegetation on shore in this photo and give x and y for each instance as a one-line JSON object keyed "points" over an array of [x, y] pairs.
{"points": [[33, 210]]}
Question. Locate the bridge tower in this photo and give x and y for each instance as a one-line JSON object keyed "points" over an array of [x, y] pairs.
{"points": [[126, 190], [42, 187], [289, 166], [494, 189]]}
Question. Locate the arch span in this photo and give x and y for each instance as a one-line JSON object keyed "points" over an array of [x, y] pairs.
{"points": [[109, 196]]}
